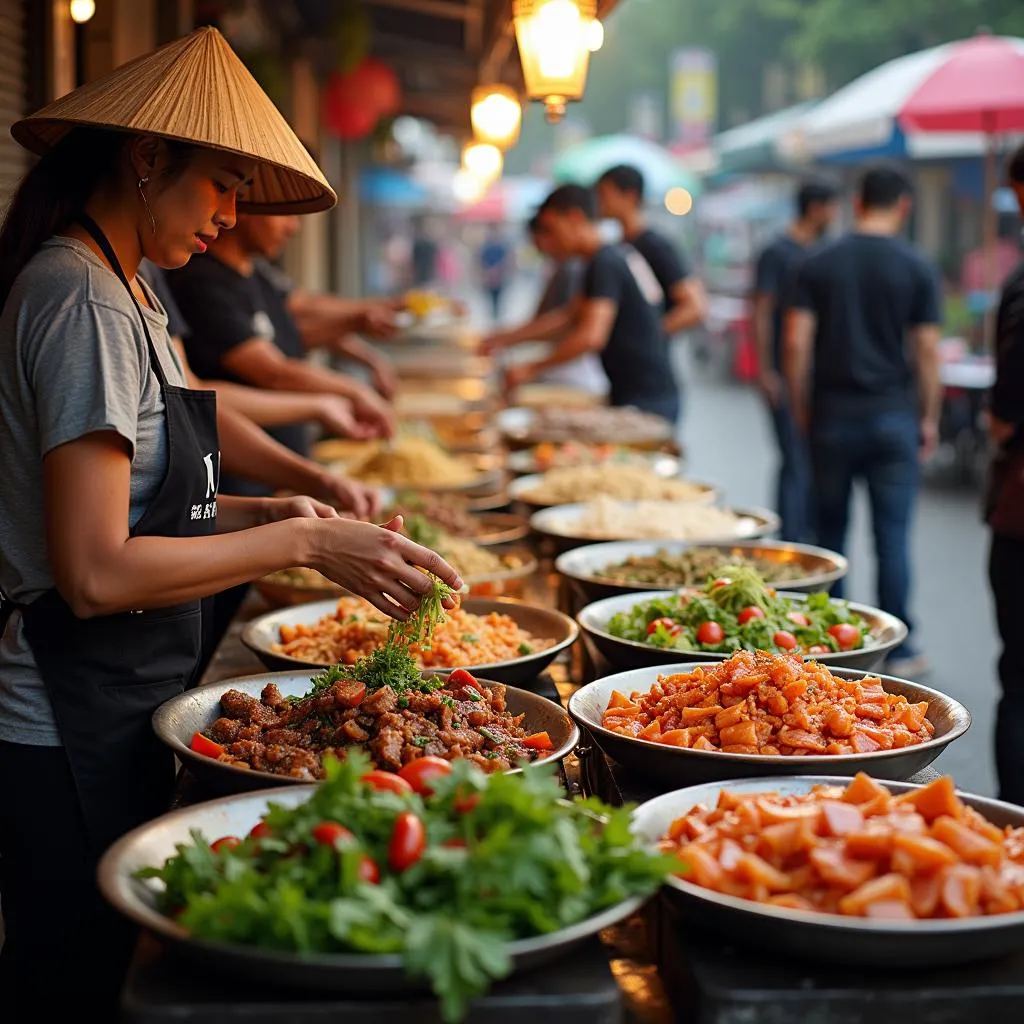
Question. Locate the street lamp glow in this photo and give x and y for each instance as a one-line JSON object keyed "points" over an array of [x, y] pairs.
{"points": [[82, 10], [554, 38], [678, 201], [483, 161], [466, 187], [595, 35], [496, 115]]}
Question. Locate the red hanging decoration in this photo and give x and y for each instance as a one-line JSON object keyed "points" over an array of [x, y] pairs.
{"points": [[353, 103], [380, 86]]}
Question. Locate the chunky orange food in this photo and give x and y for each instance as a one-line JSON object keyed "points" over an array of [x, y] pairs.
{"points": [[855, 850], [761, 703]]}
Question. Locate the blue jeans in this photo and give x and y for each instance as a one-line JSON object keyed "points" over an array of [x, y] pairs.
{"points": [[793, 497], [669, 406], [880, 449]]}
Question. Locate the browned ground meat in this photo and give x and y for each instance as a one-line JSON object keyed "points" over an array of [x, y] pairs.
{"points": [[287, 737]]}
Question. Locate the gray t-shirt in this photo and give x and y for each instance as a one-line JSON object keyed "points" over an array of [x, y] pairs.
{"points": [[73, 361]]}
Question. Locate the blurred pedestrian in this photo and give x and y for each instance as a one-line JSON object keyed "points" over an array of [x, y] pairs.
{"points": [[816, 208], [1005, 514], [620, 196], [423, 255], [495, 260], [611, 316], [861, 359]]}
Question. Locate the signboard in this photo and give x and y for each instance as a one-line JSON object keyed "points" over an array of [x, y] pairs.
{"points": [[693, 96], [645, 115]]}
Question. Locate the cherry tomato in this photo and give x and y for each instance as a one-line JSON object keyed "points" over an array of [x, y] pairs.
{"points": [[846, 635], [419, 773], [748, 613], [466, 802], [673, 628], [722, 581], [225, 843], [798, 619], [710, 633], [261, 830], [818, 649], [368, 870], [387, 782], [408, 841], [460, 677], [330, 833], [784, 639], [204, 745]]}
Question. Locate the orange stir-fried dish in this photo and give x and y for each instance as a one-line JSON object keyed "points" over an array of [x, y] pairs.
{"points": [[857, 850], [760, 703]]}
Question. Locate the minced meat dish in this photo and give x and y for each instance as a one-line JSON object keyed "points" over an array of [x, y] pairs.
{"points": [[291, 737]]}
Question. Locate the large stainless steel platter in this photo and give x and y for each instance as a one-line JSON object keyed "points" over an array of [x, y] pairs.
{"points": [[850, 941], [196, 710], [522, 487], [264, 632], [561, 525], [500, 528], [524, 463], [886, 630], [677, 766], [523, 426], [154, 842], [585, 566]]}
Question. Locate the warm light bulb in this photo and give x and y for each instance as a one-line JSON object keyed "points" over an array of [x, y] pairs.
{"points": [[82, 10], [555, 26], [466, 187], [678, 201], [483, 161], [595, 36], [496, 115]]}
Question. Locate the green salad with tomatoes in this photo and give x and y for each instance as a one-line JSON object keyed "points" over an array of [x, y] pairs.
{"points": [[443, 868], [738, 611]]}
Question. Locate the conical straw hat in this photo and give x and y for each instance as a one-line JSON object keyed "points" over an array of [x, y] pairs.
{"points": [[194, 90]]}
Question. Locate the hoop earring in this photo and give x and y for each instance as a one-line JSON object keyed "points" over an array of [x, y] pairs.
{"points": [[145, 202]]}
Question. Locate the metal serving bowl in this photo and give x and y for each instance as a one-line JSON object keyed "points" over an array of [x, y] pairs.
{"points": [[833, 938], [520, 489], [679, 766], [886, 630], [560, 524], [524, 463], [264, 632], [584, 567], [521, 427], [500, 528], [154, 842], [196, 710]]}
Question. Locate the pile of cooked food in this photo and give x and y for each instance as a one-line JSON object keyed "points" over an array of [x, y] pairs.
{"points": [[356, 628], [738, 611], [301, 577], [448, 512], [601, 425], [471, 561], [572, 453], [692, 567], [412, 462], [444, 872], [770, 705], [626, 483], [607, 519], [855, 850]]}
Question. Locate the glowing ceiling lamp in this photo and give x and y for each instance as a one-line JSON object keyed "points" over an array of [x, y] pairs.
{"points": [[483, 161], [82, 10], [554, 39], [595, 36], [496, 115]]}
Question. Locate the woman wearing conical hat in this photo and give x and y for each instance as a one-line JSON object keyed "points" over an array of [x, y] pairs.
{"points": [[111, 531]]}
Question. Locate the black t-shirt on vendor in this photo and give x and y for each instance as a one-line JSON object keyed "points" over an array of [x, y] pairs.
{"points": [[866, 292], [636, 357], [1007, 399], [670, 266], [773, 278]]}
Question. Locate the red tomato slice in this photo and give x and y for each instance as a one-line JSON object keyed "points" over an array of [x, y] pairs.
{"points": [[204, 745], [748, 613], [466, 802], [386, 782], [460, 677], [330, 833], [368, 870], [408, 841], [784, 639], [710, 633], [846, 635], [798, 619], [818, 649], [261, 830], [419, 773], [673, 628], [225, 843], [722, 581], [538, 741]]}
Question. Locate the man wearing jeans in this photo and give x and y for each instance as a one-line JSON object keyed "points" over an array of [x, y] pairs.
{"points": [[862, 364]]}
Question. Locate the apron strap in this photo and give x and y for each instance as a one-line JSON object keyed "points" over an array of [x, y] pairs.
{"points": [[107, 249]]}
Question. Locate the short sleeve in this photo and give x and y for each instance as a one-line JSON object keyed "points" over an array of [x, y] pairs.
{"points": [[603, 278], [665, 260], [85, 371], [767, 273], [927, 308], [154, 276]]}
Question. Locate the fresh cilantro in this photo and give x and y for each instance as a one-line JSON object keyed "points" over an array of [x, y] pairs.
{"points": [[525, 648], [403, 701], [489, 735], [473, 694], [420, 741]]}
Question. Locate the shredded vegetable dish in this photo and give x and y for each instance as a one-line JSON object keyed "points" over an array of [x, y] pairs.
{"points": [[692, 567], [737, 611], [443, 869], [605, 518], [855, 850], [626, 483], [770, 704]]}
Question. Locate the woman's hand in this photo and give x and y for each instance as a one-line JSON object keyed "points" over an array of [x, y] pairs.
{"points": [[337, 417], [378, 564], [299, 506], [347, 495]]}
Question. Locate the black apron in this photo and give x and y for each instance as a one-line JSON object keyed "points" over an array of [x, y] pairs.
{"points": [[105, 676]]}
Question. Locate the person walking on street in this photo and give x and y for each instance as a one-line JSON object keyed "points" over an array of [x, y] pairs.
{"points": [[495, 269], [866, 314], [1005, 515], [816, 209]]}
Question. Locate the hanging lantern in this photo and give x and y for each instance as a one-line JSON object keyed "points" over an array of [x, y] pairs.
{"points": [[483, 161], [554, 38], [346, 113], [595, 36], [496, 115], [380, 86]]}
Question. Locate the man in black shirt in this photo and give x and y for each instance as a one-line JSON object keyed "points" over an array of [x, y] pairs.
{"points": [[620, 196], [611, 316], [816, 209], [1005, 506], [866, 313]]}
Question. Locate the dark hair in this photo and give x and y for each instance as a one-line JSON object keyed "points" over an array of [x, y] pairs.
{"points": [[812, 192], [1015, 166], [881, 188], [570, 197], [58, 187], [625, 178], [533, 224]]}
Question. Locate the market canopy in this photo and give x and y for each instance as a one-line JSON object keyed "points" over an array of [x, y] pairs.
{"points": [[759, 144]]}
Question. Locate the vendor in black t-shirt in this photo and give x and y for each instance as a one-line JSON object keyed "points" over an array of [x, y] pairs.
{"points": [[620, 196], [611, 316], [247, 327]]}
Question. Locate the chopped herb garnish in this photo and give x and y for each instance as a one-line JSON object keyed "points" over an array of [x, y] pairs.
{"points": [[473, 694], [470, 638], [420, 741], [448, 702], [525, 649], [403, 701], [488, 735]]}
